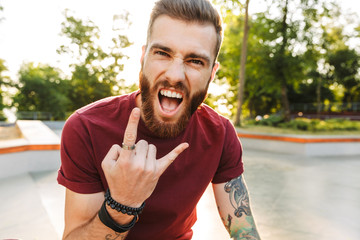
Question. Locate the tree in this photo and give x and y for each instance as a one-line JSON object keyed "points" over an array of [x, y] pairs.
{"points": [[318, 18], [4, 81], [288, 55], [94, 71], [346, 65], [242, 74], [1, 9], [41, 89]]}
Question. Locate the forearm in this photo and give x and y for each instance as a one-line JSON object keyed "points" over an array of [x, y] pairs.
{"points": [[243, 228], [95, 229], [234, 208]]}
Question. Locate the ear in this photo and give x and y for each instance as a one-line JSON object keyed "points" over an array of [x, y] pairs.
{"points": [[143, 49], [214, 70]]}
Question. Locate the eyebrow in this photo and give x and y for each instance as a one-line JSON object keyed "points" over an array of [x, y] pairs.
{"points": [[190, 55], [162, 47]]}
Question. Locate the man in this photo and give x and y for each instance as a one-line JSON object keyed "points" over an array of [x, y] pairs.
{"points": [[172, 147]]}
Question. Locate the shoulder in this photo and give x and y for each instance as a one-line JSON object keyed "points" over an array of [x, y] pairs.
{"points": [[211, 126], [108, 103], [209, 117], [105, 110]]}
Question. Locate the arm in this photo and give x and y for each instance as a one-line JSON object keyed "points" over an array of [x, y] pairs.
{"points": [[131, 174], [232, 199], [82, 221]]}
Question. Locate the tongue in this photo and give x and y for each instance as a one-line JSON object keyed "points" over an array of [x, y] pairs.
{"points": [[169, 104]]}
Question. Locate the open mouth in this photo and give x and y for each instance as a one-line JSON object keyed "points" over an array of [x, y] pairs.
{"points": [[170, 100]]}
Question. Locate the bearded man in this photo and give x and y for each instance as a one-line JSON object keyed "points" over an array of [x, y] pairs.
{"points": [[135, 166]]}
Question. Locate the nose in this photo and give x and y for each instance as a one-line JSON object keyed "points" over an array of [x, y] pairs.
{"points": [[175, 71]]}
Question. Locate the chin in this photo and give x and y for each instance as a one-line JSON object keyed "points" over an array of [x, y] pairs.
{"points": [[166, 108]]}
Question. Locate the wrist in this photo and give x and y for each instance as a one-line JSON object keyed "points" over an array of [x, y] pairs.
{"points": [[108, 221], [120, 198], [122, 208], [119, 217]]}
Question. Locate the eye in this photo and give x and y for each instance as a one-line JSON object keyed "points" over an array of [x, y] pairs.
{"points": [[197, 62], [162, 53]]}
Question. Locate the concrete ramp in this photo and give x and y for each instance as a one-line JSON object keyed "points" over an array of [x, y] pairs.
{"points": [[307, 145], [37, 150]]}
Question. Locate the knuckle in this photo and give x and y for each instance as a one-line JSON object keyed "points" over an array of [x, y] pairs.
{"points": [[138, 168], [125, 164], [130, 136], [116, 146], [142, 143], [148, 172], [104, 164]]}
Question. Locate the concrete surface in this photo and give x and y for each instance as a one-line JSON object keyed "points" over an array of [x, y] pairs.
{"points": [[306, 145], [293, 197], [38, 136]]}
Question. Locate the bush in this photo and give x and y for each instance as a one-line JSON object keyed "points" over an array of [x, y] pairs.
{"points": [[272, 120], [305, 124], [317, 125], [298, 124], [2, 116]]}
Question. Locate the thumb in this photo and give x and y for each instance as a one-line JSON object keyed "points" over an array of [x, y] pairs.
{"points": [[164, 162]]}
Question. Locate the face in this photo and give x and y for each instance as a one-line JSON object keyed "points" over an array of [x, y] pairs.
{"points": [[177, 67]]}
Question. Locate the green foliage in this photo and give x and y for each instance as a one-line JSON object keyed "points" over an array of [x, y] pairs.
{"points": [[42, 89], [1, 9], [309, 125], [273, 120], [2, 79], [307, 55], [346, 63], [303, 124], [316, 125], [2, 116], [95, 71], [4, 83]]}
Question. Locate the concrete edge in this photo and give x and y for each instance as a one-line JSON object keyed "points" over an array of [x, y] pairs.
{"points": [[36, 137]]}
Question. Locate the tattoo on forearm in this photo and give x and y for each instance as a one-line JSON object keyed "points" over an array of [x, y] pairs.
{"points": [[228, 226], [118, 236], [239, 197]]}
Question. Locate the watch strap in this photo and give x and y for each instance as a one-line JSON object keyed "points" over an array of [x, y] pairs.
{"points": [[107, 220]]}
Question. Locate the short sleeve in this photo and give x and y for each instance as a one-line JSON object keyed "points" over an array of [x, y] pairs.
{"points": [[231, 165], [78, 171]]}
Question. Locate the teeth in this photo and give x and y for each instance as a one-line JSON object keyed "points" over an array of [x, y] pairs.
{"points": [[170, 94]]}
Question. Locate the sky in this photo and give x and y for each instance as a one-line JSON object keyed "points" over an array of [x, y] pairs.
{"points": [[29, 31]]}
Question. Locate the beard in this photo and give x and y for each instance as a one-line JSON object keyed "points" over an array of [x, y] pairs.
{"points": [[161, 128]]}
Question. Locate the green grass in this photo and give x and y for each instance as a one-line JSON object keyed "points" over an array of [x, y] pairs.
{"points": [[278, 130], [276, 124]]}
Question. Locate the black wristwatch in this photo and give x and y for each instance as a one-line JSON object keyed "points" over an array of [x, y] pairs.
{"points": [[106, 219]]}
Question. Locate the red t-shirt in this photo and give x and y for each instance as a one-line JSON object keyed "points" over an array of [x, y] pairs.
{"points": [[214, 155]]}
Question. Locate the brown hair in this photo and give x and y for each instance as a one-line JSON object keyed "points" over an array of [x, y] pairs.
{"points": [[200, 11]]}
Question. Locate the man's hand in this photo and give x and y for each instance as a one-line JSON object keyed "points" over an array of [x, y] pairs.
{"points": [[133, 174]]}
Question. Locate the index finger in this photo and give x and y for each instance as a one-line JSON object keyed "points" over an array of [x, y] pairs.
{"points": [[131, 128]]}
